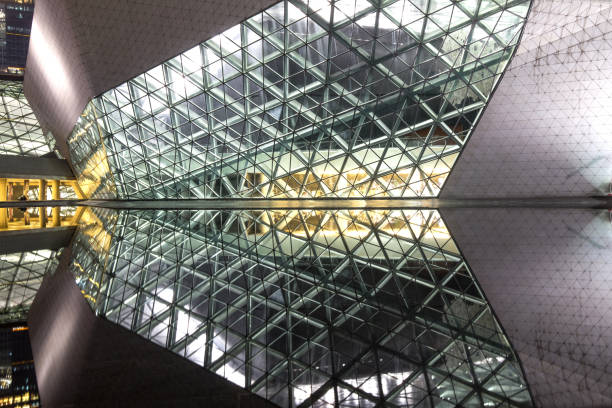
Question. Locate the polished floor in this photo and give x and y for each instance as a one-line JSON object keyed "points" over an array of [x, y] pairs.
{"points": [[589, 202]]}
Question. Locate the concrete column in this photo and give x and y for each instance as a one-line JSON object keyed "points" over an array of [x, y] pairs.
{"points": [[42, 196], [3, 197], [55, 195]]}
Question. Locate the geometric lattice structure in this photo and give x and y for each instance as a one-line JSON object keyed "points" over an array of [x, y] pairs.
{"points": [[20, 132], [21, 274], [564, 55], [305, 307], [15, 28], [311, 98], [88, 156]]}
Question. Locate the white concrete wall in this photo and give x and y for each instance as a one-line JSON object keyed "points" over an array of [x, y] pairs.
{"points": [[547, 129], [548, 276]]}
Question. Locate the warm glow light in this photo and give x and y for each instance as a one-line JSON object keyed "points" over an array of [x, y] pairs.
{"points": [[355, 183], [360, 227], [92, 226], [46, 57]]}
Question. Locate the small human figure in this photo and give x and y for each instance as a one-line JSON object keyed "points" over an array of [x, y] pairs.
{"points": [[26, 214]]}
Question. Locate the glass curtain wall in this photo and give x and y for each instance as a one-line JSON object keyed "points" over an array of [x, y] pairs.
{"points": [[304, 307], [309, 98]]}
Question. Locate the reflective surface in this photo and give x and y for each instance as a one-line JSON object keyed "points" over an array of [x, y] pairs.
{"points": [[15, 27], [35, 218], [309, 98], [18, 388], [304, 307], [21, 274], [29, 250]]}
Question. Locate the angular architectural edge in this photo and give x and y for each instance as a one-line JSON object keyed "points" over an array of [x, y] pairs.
{"points": [[311, 99]]}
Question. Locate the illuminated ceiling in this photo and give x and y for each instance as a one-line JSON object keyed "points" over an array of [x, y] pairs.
{"points": [[21, 274], [305, 99]]}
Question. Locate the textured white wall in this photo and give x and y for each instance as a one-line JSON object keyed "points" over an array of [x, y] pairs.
{"points": [[548, 276], [548, 128]]}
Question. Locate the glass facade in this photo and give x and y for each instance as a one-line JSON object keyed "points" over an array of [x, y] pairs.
{"points": [[20, 132], [305, 307], [88, 156], [309, 98], [18, 388], [21, 274]]}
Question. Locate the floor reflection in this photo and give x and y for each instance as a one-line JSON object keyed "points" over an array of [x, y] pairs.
{"points": [[21, 274], [27, 254], [304, 307], [32, 218]]}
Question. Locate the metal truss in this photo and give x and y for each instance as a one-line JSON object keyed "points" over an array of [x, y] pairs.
{"points": [[309, 98], [305, 307], [21, 274]]}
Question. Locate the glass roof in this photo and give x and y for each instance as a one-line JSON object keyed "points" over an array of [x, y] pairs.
{"points": [[309, 98], [20, 132], [304, 307]]}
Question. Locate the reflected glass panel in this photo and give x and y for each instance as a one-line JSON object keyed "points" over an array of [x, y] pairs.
{"points": [[304, 307], [21, 274], [36, 218]]}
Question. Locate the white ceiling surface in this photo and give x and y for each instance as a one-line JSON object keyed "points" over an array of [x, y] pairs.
{"points": [[547, 275], [81, 48], [546, 131]]}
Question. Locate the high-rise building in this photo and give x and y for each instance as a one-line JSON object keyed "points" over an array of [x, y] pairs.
{"points": [[18, 388], [15, 28]]}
